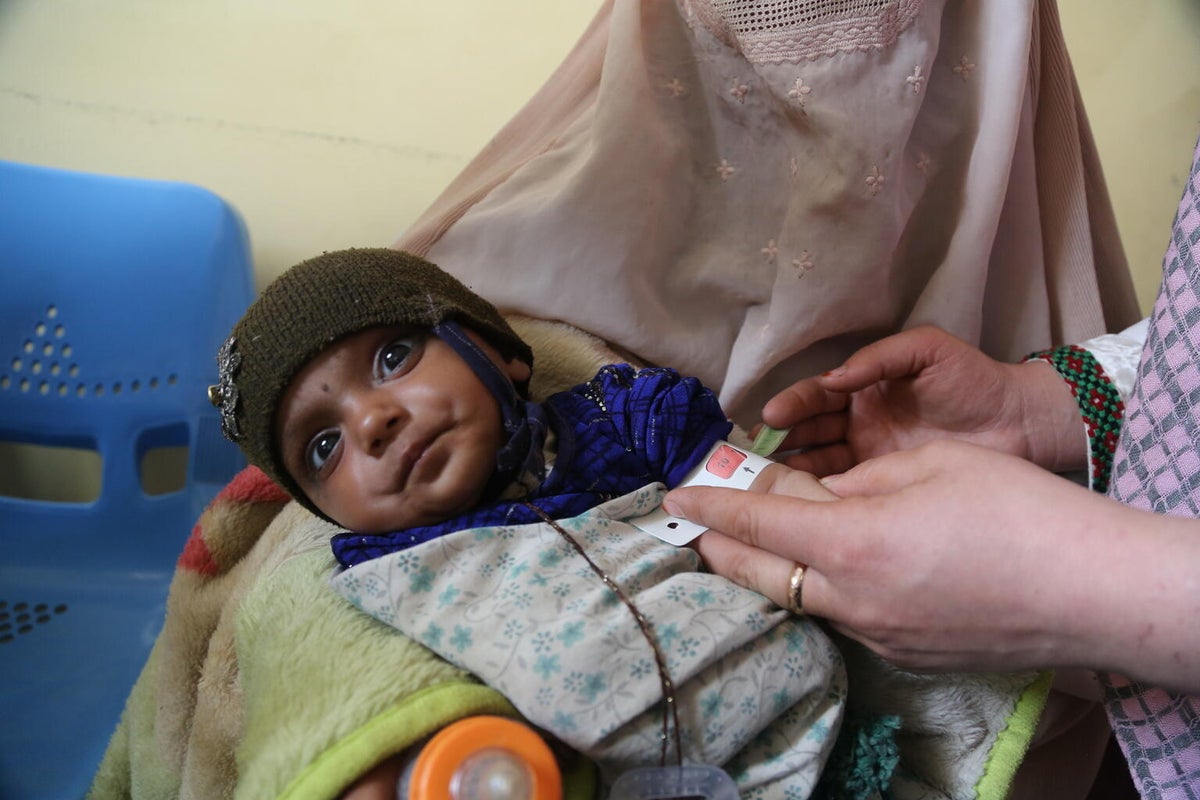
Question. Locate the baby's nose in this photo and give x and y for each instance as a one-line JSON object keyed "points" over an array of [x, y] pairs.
{"points": [[378, 423]]}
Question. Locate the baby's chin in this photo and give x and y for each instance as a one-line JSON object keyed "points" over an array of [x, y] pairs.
{"points": [[445, 489], [411, 514]]}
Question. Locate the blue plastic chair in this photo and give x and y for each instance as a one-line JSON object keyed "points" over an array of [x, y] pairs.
{"points": [[115, 295]]}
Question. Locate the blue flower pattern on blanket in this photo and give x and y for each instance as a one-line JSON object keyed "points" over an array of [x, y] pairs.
{"points": [[759, 692]]}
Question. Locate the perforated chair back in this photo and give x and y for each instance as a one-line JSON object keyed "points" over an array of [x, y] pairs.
{"points": [[115, 295]]}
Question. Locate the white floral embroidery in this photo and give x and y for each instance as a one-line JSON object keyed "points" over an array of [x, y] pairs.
{"points": [[794, 166], [676, 87], [804, 264], [739, 91], [916, 80], [800, 92], [771, 251], [964, 68], [875, 180], [924, 162], [725, 170]]}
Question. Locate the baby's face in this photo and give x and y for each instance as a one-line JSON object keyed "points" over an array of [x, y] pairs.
{"points": [[388, 429]]}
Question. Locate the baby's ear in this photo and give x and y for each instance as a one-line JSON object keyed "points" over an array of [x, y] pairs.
{"points": [[517, 371]]}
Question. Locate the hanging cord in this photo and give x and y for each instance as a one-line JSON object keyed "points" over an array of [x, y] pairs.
{"points": [[670, 709]]}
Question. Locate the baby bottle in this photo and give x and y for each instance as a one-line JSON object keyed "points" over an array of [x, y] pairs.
{"points": [[482, 758]]}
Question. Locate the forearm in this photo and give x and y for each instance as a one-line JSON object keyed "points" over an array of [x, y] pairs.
{"points": [[1130, 601]]}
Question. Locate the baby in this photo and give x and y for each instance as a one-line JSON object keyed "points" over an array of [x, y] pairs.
{"points": [[388, 398]]}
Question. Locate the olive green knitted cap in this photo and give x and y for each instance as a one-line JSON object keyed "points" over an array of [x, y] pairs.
{"points": [[318, 302]]}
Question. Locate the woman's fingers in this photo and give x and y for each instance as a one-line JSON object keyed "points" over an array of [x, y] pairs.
{"points": [[894, 471], [900, 356], [800, 401], [769, 522], [821, 429], [768, 574], [764, 572], [821, 461], [904, 355]]}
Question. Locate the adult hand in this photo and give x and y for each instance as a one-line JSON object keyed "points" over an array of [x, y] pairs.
{"points": [[953, 556], [925, 384]]}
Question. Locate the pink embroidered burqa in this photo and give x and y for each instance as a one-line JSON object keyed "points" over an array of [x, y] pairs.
{"points": [[749, 192]]}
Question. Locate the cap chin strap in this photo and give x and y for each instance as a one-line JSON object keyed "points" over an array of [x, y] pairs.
{"points": [[524, 422]]}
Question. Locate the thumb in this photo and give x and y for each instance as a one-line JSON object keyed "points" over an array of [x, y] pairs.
{"points": [[883, 475], [904, 355], [766, 521]]}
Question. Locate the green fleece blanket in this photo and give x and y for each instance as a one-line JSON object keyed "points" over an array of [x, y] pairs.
{"points": [[264, 683]]}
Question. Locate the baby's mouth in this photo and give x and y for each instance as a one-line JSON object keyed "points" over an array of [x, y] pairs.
{"points": [[411, 456]]}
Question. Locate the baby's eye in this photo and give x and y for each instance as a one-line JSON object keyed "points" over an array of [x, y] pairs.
{"points": [[320, 448], [396, 357]]}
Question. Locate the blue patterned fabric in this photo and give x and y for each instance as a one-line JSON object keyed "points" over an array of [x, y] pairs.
{"points": [[758, 691], [616, 433]]}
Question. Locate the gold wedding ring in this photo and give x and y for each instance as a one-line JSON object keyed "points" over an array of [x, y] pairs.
{"points": [[796, 590]]}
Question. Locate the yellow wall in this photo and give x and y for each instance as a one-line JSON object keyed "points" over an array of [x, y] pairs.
{"points": [[330, 124], [1138, 65], [327, 124]]}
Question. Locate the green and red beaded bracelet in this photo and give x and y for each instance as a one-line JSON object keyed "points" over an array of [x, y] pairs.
{"points": [[1099, 403]]}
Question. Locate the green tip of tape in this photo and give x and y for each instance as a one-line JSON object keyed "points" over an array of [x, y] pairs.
{"points": [[768, 440]]}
